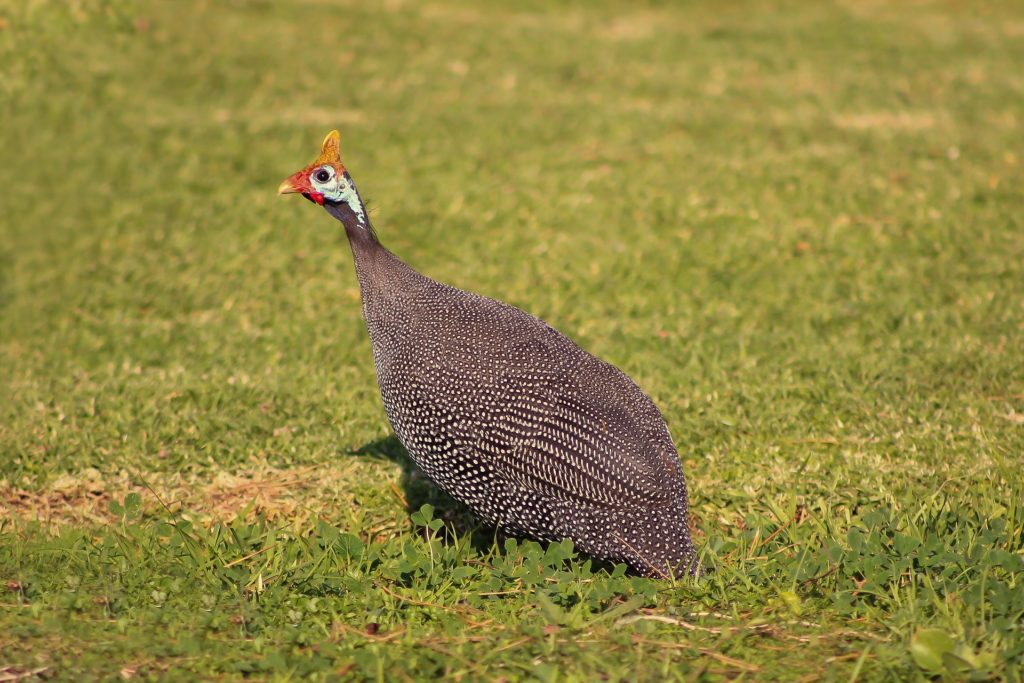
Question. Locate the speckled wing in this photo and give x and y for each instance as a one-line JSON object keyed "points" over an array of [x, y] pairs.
{"points": [[585, 434]]}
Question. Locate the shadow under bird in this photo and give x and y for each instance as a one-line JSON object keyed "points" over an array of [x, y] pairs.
{"points": [[505, 413]]}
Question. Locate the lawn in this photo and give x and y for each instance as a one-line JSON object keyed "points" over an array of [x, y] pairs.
{"points": [[798, 226]]}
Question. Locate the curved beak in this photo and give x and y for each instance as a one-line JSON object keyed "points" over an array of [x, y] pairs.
{"points": [[287, 186]]}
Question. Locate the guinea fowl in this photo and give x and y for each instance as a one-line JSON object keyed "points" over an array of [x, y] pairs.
{"points": [[506, 414]]}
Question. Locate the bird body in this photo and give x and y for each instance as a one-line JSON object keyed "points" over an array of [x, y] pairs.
{"points": [[509, 416]]}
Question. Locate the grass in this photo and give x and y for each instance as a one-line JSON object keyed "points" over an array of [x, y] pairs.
{"points": [[797, 225]]}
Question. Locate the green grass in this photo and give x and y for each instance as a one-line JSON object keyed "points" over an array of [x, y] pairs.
{"points": [[799, 226]]}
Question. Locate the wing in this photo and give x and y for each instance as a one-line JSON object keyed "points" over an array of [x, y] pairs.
{"points": [[583, 433]]}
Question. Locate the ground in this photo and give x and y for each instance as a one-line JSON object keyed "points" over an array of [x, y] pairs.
{"points": [[797, 225]]}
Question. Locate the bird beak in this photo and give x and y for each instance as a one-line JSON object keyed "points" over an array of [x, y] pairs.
{"points": [[288, 187], [298, 183]]}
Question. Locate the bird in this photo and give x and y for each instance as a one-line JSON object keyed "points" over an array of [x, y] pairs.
{"points": [[505, 414]]}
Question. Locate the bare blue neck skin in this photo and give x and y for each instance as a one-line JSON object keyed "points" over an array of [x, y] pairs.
{"points": [[372, 260], [351, 211]]}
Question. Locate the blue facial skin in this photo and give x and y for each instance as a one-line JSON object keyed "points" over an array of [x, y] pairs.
{"points": [[338, 189]]}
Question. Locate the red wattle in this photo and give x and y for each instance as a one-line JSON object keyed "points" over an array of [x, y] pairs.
{"points": [[317, 197]]}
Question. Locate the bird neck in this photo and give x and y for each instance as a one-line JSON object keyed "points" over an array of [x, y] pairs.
{"points": [[351, 211], [376, 267]]}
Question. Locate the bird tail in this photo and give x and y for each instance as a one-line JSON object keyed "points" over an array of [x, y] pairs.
{"points": [[657, 542], [654, 542]]}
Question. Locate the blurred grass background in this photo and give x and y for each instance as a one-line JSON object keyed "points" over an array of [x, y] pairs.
{"points": [[796, 225]]}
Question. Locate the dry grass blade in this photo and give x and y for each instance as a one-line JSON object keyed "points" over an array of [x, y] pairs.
{"points": [[757, 628], [10, 673], [84, 497]]}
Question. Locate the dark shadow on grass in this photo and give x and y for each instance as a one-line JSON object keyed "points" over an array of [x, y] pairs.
{"points": [[419, 490]]}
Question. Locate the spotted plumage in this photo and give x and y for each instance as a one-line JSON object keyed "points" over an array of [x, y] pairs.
{"points": [[508, 415]]}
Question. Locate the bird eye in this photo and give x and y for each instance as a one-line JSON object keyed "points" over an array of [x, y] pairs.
{"points": [[322, 175]]}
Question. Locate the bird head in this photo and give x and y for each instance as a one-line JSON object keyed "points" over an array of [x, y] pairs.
{"points": [[325, 180]]}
